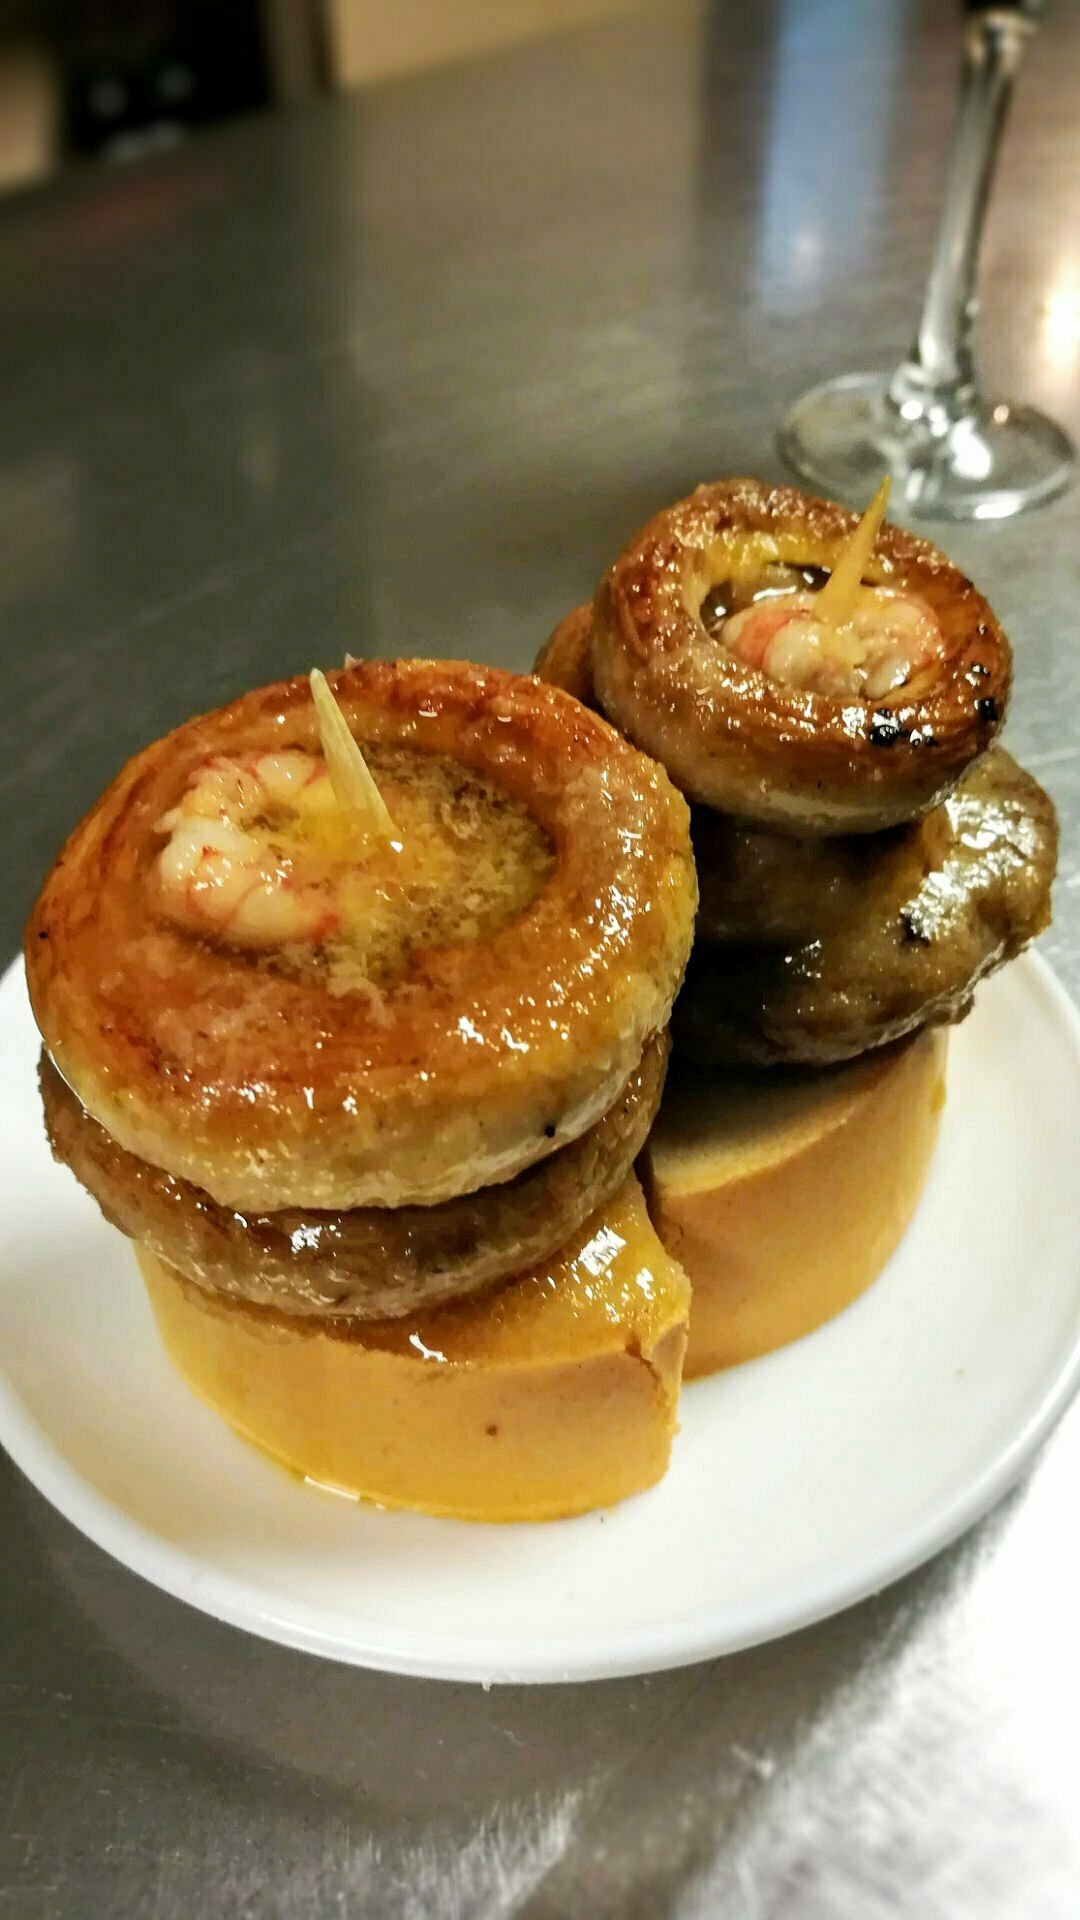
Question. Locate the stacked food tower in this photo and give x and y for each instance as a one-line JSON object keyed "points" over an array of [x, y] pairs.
{"points": [[360, 1048], [355, 1001], [827, 693]]}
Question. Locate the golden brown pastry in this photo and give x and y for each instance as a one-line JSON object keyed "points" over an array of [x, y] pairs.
{"points": [[939, 908], [370, 1262], [764, 713], [246, 996], [565, 658]]}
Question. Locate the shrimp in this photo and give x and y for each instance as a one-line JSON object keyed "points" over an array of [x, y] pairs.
{"points": [[242, 858], [888, 638]]}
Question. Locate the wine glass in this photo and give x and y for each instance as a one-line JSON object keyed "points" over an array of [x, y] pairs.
{"points": [[951, 453]]}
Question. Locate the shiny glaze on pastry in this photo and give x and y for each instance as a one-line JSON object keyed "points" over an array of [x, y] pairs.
{"points": [[736, 737], [310, 1074], [565, 659]]}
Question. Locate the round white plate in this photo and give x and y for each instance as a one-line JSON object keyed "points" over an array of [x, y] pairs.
{"points": [[799, 1483]]}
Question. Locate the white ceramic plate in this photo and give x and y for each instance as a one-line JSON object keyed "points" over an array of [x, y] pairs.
{"points": [[799, 1483]]}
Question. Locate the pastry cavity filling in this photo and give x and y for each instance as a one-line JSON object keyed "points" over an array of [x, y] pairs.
{"points": [[258, 855], [774, 623]]}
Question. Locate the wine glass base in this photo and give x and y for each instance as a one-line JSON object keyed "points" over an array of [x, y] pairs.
{"points": [[983, 464]]}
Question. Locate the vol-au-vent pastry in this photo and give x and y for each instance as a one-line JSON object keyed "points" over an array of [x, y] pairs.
{"points": [[245, 995], [565, 659], [789, 674]]}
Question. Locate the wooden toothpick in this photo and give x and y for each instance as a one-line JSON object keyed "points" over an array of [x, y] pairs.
{"points": [[350, 776], [836, 601]]}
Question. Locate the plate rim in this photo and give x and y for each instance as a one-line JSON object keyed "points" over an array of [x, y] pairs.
{"points": [[240, 1604]]}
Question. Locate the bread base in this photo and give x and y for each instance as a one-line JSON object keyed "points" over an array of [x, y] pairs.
{"points": [[783, 1196], [556, 1394]]}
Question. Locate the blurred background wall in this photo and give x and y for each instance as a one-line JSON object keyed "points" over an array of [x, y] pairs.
{"points": [[84, 80], [368, 41]]}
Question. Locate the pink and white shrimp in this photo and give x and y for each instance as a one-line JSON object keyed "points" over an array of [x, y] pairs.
{"points": [[888, 638], [237, 861]]}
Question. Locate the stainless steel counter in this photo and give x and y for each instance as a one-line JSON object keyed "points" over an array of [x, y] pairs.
{"points": [[399, 375]]}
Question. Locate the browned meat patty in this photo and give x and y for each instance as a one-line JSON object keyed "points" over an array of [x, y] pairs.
{"points": [[368, 1262], [764, 889], [906, 933]]}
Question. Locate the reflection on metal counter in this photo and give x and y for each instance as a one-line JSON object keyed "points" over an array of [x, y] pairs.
{"points": [[407, 364]]}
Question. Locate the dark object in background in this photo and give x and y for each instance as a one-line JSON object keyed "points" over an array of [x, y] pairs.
{"points": [[138, 74]]}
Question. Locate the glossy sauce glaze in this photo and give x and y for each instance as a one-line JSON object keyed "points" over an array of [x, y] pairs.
{"points": [[775, 581], [318, 899], [560, 851], [611, 1284], [907, 930], [707, 649], [773, 622], [557, 1394]]}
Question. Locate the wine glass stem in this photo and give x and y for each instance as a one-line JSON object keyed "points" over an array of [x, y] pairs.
{"points": [[939, 378]]}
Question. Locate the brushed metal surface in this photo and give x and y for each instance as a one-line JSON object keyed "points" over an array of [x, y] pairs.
{"points": [[400, 374]]}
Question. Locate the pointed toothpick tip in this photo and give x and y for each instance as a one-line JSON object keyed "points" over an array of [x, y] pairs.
{"points": [[836, 601], [350, 776]]}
